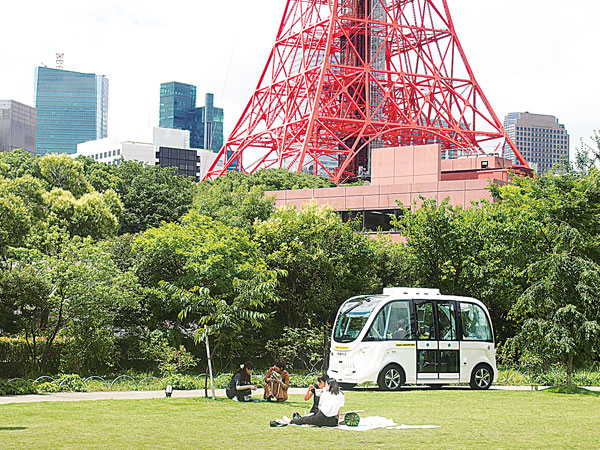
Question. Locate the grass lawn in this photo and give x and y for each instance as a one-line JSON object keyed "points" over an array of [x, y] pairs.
{"points": [[468, 419]]}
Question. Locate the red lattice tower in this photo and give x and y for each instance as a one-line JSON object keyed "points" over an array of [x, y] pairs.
{"points": [[345, 76]]}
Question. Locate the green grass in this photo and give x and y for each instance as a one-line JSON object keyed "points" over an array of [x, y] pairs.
{"points": [[571, 390], [468, 419]]}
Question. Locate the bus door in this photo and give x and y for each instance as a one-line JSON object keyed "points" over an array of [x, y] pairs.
{"points": [[437, 341], [448, 344]]}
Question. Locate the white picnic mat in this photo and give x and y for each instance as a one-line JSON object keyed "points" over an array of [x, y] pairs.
{"points": [[372, 422]]}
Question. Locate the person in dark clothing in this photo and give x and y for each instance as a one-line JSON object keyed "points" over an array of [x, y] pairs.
{"points": [[312, 392], [330, 403], [240, 387]]}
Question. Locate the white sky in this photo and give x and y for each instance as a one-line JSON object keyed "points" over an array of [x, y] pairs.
{"points": [[528, 55]]}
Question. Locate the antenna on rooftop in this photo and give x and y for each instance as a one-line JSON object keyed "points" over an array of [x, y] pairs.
{"points": [[60, 60]]}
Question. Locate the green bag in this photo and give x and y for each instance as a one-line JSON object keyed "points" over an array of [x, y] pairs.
{"points": [[351, 419]]}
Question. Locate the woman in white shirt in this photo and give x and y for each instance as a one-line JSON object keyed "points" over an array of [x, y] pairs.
{"points": [[330, 403]]}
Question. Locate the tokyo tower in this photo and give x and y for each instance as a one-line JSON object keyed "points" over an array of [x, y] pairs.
{"points": [[346, 76]]}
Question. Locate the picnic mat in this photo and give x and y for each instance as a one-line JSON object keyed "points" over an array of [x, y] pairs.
{"points": [[372, 422]]}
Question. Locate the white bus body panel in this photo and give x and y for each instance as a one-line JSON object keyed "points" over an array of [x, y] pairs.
{"points": [[360, 362]]}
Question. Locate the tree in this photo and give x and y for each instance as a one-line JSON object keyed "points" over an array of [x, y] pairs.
{"points": [[480, 251], [93, 214], [77, 296], [211, 271], [326, 262], [17, 164], [561, 309], [152, 195], [62, 171], [239, 199]]}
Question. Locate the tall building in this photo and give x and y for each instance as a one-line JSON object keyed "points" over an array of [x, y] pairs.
{"points": [[176, 101], [72, 107], [17, 126], [164, 147], [541, 139], [178, 110]]}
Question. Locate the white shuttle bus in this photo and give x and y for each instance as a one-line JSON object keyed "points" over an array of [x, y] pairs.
{"points": [[413, 336]]}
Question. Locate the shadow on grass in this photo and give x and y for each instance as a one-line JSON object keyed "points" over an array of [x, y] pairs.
{"points": [[260, 402], [12, 428]]}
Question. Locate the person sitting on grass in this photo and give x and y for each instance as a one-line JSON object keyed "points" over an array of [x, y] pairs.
{"points": [[330, 404], [240, 387], [312, 392], [277, 381]]}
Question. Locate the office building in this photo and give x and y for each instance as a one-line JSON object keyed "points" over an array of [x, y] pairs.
{"points": [[72, 107], [164, 147], [17, 126], [178, 110], [176, 101], [541, 139]]}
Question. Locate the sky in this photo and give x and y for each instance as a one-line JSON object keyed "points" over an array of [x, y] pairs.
{"points": [[527, 55]]}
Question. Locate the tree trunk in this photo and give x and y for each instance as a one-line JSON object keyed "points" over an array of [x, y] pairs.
{"points": [[569, 369]]}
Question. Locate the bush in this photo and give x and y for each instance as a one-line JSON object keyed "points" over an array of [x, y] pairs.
{"points": [[16, 357], [182, 382], [17, 387], [64, 383], [170, 360], [299, 347]]}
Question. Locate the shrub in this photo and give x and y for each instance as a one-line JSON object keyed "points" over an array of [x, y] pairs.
{"points": [[64, 383], [170, 360], [299, 347], [182, 382], [17, 387]]}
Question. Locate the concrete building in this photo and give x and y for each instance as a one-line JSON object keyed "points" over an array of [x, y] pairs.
{"points": [[164, 147], [178, 110], [541, 139], [403, 175], [17, 126], [72, 107]]}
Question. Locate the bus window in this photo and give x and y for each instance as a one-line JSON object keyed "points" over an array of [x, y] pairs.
{"points": [[447, 322], [391, 324], [475, 324], [425, 321], [353, 318]]}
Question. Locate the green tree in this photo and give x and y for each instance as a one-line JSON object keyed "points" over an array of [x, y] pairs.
{"points": [[326, 261], [561, 310], [93, 214], [17, 164], [215, 274], [152, 195], [79, 296], [62, 171], [239, 199]]}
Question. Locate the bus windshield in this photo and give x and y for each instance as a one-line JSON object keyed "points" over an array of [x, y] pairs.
{"points": [[353, 317]]}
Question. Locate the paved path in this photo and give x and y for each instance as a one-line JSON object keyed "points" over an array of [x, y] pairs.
{"points": [[136, 395]]}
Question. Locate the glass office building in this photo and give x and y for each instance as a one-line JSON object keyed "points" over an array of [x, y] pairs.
{"points": [[17, 126], [176, 101], [178, 110], [72, 107], [541, 139]]}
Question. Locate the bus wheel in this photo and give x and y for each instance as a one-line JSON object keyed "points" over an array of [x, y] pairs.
{"points": [[481, 377], [391, 378]]}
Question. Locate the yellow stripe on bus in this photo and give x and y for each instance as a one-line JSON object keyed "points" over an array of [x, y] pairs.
{"points": [[412, 344], [342, 348]]}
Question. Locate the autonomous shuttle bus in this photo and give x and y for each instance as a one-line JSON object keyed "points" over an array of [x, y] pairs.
{"points": [[413, 336]]}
